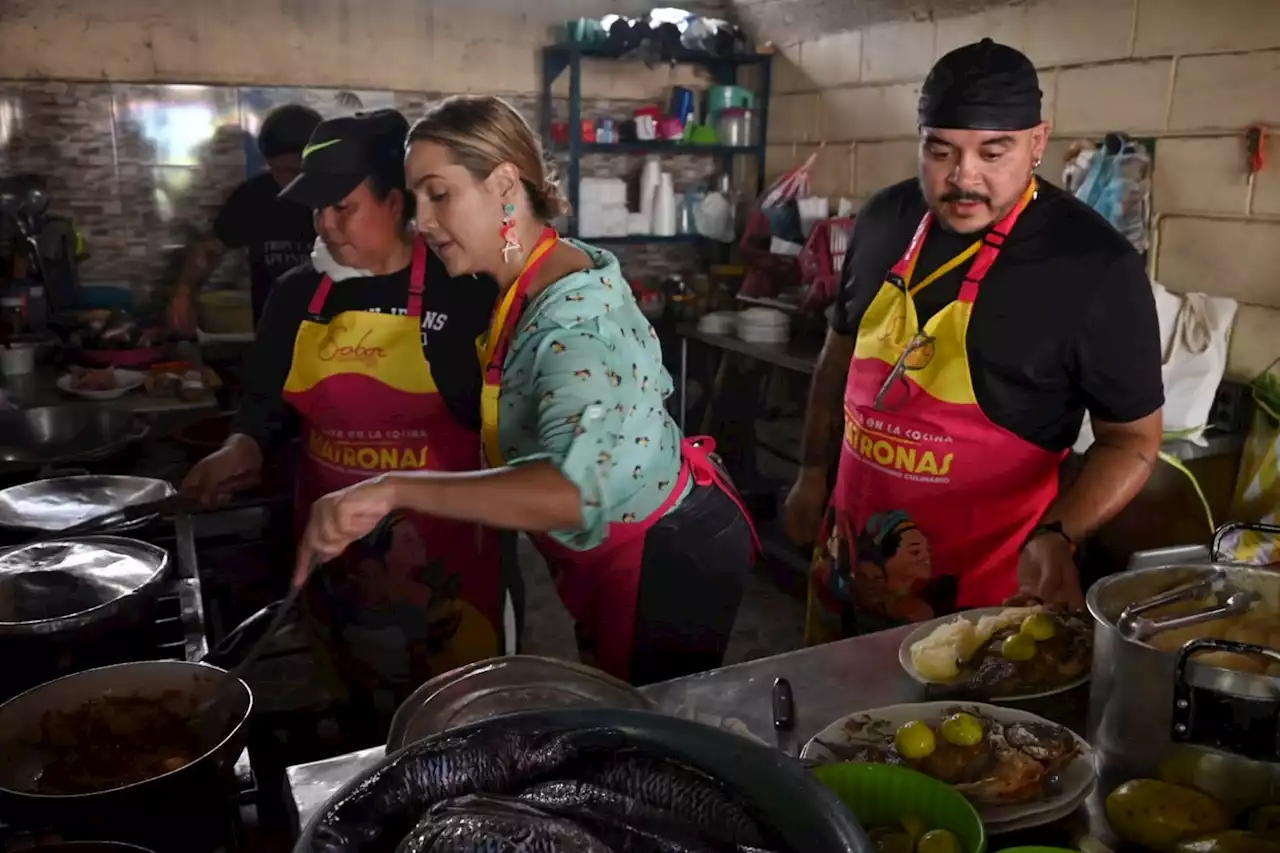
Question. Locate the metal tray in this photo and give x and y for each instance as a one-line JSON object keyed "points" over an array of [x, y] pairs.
{"points": [[57, 503], [491, 688]]}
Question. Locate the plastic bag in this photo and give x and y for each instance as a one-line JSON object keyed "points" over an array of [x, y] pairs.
{"points": [[1118, 185]]}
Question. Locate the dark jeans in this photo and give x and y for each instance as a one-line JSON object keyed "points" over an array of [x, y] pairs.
{"points": [[693, 571]]}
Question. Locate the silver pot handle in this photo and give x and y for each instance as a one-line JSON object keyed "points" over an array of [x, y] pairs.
{"points": [[1246, 725]]}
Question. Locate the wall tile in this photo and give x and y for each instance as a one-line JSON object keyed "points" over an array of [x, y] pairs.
{"points": [[1254, 345], [832, 60], [1129, 96], [832, 174], [1226, 91], [1223, 257], [1061, 32], [794, 118], [787, 75], [1170, 27], [1200, 174], [897, 51], [880, 164], [870, 112], [1005, 25]]}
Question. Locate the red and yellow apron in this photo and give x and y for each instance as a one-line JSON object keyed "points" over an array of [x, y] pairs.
{"points": [[933, 501], [598, 587], [420, 595]]}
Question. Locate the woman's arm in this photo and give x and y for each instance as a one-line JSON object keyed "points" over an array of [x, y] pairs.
{"points": [[535, 496]]}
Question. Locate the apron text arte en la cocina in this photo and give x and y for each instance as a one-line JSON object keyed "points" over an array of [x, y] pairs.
{"points": [[932, 500], [420, 595]]}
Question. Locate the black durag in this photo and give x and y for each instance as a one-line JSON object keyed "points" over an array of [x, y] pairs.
{"points": [[981, 86]]}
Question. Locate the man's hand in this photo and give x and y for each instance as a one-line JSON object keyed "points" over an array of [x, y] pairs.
{"points": [[805, 505], [1047, 571]]}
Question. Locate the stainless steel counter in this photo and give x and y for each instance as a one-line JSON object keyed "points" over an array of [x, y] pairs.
{"points": [[828, 682], [40, 389]]}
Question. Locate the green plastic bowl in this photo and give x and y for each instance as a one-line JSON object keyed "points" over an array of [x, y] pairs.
{"points": [[1038, 850], [882, 794]]}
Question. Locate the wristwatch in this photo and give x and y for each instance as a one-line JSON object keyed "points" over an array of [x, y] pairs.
{"points": [[1050, 527]]}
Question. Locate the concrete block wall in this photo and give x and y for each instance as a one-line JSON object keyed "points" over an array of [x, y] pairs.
{"points": [[1194, 74], [487, 46]]}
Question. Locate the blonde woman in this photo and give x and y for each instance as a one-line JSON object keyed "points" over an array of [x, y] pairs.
{"points": [[647, 540]]}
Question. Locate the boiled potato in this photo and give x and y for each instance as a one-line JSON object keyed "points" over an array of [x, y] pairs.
{"points": [[1232, 841], [937, 657], [1158, 815]]}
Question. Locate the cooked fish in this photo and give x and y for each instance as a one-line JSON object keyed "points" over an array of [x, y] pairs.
{"points": [[489, 759], [482, 823], [687, 794]]}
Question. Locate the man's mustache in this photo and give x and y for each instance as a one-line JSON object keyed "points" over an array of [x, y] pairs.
{"points": [[963, 195]]}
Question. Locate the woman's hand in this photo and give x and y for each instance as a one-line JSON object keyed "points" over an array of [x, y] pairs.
{"points": [[340, 518]]}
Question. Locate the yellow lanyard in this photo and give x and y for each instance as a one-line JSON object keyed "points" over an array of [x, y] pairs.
{"points": [[498, 324], [940, 271], [1027, 196]]}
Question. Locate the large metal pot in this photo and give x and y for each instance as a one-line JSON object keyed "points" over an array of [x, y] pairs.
{"points": [[1161, 714], [805, 814], [179, 686], [31, 439]]}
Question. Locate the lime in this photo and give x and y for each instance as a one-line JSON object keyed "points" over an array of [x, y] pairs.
{"points": [[1265, 819], [914, 741], [1039, 626], [1018, 647], [938, 841], [889, 840], [962, 730], [915, 827]]}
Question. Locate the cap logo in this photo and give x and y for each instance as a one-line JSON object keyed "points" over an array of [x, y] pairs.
{"points": [[319, 146]]}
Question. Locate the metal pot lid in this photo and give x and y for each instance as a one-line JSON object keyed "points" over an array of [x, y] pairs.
{"points": [[48, 581], [57, 503], [491, 688]]}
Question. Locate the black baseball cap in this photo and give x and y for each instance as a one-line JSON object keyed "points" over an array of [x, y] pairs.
{"points": [[343, 152]]}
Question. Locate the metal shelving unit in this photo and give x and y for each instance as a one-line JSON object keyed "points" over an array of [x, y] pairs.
{"points": [[559, 58]]}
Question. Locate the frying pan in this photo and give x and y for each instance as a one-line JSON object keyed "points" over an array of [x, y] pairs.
{"points": [[179, 686]]}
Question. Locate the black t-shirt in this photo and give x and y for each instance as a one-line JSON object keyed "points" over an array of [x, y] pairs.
{"points": [[454, 313], [1064, 321], [277, 233]]}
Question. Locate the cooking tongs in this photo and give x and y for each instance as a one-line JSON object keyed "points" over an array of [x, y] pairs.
{"points": [[1232, 602]]}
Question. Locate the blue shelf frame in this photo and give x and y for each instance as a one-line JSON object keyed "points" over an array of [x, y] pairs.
{"points": [[559, 58]]}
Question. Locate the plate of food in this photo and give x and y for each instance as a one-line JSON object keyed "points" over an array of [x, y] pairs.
{"points": [[1010, 764], [106, 383], [1001, 653]]}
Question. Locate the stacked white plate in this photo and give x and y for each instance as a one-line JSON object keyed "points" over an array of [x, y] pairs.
{"points": [[764, 326]]}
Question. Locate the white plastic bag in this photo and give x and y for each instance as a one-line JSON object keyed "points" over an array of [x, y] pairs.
{"points": [[1195, 331]]}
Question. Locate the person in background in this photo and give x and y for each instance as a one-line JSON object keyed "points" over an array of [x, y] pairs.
{"points": [[983, 312], [647, 541], [277, 233], [380, 366]]}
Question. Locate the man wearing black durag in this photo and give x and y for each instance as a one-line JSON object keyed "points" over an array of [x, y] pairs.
{"points": [[983, 312]]}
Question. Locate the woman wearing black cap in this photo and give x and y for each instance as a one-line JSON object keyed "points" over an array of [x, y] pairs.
{"points": [[377, 357], [983, 312], [277, 234]]}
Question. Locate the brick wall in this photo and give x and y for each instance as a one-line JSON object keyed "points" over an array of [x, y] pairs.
{"points": [[1192, 73]]}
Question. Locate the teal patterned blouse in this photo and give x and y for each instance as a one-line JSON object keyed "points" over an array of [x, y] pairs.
{"points": [[583, 386]]}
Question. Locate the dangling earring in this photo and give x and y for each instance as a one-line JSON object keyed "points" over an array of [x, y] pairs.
{"points": [[511, 243]]}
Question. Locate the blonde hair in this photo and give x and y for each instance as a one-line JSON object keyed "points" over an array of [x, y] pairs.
{"points": [[482, 132]]}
